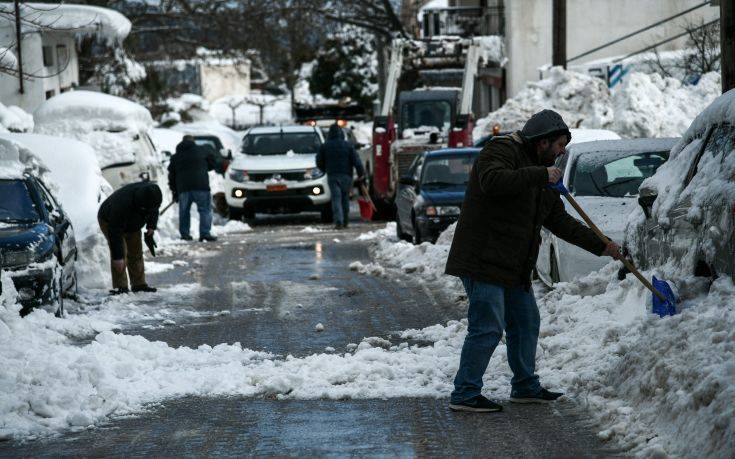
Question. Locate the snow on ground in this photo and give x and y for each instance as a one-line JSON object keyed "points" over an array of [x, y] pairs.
{"points": [[646, 105], [653, 385]]}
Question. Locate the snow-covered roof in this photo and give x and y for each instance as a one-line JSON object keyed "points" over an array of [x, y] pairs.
{"points": [[627, 145], [83, 19], [277, 129], [88, 105]]}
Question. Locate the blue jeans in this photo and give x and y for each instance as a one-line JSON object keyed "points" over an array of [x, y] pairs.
{"points": [[203, 201], [494, 308], [339, 186]]}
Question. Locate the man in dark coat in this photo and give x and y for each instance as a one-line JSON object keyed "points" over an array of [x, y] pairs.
{"points": [[494, 250], [121, 217], [188, 179], [337, 157]]}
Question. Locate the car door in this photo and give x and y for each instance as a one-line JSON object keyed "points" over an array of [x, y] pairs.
{"points": [[62, 229]]}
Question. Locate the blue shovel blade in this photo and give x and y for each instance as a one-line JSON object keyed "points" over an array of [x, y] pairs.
{"points": [[558, 186], [661, 307]]}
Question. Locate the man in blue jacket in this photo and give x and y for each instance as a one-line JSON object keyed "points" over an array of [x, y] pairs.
{"points": [[337, 157]]}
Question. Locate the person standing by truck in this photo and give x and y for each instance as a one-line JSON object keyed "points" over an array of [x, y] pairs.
{"points": [[494, 250], [338, 158], [188, 178], [121, 217]]}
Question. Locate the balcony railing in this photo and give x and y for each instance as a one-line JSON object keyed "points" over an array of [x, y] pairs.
{"points": [[463, 21]]}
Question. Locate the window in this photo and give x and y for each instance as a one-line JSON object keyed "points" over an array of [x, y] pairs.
{"points": [[426, 114], [447, 171], [50, 93], [48, 56], [281, 143], [62, 54], [615, 174], [17, 205]]}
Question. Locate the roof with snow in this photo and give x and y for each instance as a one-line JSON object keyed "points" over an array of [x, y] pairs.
{"points": [[63, 17], [88, 105]]}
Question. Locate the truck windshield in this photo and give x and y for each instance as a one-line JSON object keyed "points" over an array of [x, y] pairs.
{"points": [[616, 174], [447, 171], [16, 205], [426, 114], [280, 143]]}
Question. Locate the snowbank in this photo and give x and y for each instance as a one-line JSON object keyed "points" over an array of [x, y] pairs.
{"points": [[15, 119], [652, 385], [647, 105]]}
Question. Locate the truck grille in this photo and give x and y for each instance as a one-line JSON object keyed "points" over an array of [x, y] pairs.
{"points": [[405, 156], [295, 176]]}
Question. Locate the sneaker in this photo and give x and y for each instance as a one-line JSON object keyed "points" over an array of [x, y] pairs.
{"points": [[543, 396], [478, 404], [187, 238], [208, 238], [144, 288], [119, 291]]}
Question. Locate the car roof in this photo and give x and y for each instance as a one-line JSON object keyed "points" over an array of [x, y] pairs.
{"points": [[276, 129], [453, 151], [623, 145]]}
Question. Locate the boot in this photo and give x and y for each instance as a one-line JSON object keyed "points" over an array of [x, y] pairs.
{"points": [[119, 291], [144, 288]]}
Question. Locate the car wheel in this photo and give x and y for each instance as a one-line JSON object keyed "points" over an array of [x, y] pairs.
{"points": [[554, 268], [235, 213], [326, 214]]}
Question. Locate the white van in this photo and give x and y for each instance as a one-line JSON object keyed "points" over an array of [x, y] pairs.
{"points": [[117, 129]]}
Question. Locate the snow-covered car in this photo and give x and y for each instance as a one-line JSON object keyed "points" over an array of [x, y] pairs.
{"points": [[603, 176], [37, 242], [687, 210], [219, 137], [277, 173], [117, 129]]}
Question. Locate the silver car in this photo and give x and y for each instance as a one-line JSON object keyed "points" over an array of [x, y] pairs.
{"points": [[689, 205], [603, 176]]}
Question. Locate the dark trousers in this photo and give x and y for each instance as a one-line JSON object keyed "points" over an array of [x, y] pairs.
{"points": [[339, 186], [133, 256]]}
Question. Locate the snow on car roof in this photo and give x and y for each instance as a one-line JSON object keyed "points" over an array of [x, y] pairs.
{"points": [[10, 165], [87, 106], [453, 151], [277, 129], [229, 138], [624, 145], [79, 19]]}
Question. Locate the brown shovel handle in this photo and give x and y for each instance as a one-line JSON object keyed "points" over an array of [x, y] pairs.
{"points": [[606, 240]]}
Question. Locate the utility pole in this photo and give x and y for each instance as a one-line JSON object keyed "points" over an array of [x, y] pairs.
{"points": [[727, 44], [559, 33], [18, 36]]}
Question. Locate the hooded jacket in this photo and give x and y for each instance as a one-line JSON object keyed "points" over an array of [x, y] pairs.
{"points": [[127, 210], [189, 167], [507, 202], [337, 156]]}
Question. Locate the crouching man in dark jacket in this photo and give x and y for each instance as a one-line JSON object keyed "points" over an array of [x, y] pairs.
{"points": [[494, 251], [337, 157], [121, 217]]}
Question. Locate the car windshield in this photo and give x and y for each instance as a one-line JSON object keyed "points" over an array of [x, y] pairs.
{"points": [[617, 174], [16, 205], [447, 171], [426, 114], [280, 143]]}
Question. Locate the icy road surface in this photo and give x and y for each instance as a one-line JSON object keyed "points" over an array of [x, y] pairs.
{"points": [[268, 290]]}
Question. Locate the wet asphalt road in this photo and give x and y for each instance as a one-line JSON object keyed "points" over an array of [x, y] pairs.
{"points": [[277, 283]]}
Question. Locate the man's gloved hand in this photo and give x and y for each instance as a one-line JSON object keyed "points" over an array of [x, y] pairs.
{"points": [[150, 242]]}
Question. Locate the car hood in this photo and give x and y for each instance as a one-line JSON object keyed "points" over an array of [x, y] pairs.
{"points": [[609, 214], [446, 196], [274, 163], [21, 236]]}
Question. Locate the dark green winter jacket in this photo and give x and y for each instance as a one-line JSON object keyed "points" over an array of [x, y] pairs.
{"points": [[499, 229]]}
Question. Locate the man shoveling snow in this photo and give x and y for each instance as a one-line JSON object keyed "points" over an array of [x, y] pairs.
{"points": [[494, 251]]}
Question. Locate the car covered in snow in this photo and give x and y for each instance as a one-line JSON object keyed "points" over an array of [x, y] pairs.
{"points": [[117, 129], [277, 173], [37, 241], [603, 176], [686, 218], [431, 193], [212, 134]]}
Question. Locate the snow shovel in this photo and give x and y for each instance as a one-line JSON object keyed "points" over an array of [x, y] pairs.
{"points": [[664, 300], [367, 207], [166, 208]]}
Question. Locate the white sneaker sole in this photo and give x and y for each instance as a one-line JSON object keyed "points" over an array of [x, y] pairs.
{"points": [[530, 400], [473, 410]]}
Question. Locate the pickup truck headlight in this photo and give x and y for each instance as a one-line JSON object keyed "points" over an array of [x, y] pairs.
{"points": [[239, 175], [436, 211], [313, 173]]}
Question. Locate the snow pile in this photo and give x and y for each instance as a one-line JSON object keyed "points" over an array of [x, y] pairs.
{"points": [[187, 108], [647, 105], [231, 226], [107, 123], [653, 386], [15, 119], [166, 139]]}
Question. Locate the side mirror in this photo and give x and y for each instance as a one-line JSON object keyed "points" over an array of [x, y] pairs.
{"points": [[646, 198], [406, 180]]}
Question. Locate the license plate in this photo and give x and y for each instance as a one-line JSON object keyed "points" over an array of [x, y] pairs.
{"points": [[276, 187]]}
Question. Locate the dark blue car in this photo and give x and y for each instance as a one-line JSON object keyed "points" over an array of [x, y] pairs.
{"points": [[37, 244], [431, 193]]}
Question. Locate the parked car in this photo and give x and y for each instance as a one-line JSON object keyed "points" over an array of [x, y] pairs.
{"points": [[688, 207], [213, 134], [603, 176], [277, 173], [118, 129], [37, 243], [431, 193]]}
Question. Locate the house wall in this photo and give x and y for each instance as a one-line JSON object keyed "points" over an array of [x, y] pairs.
{"points": [[590, 23], [221, 80], [51, 80]]}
